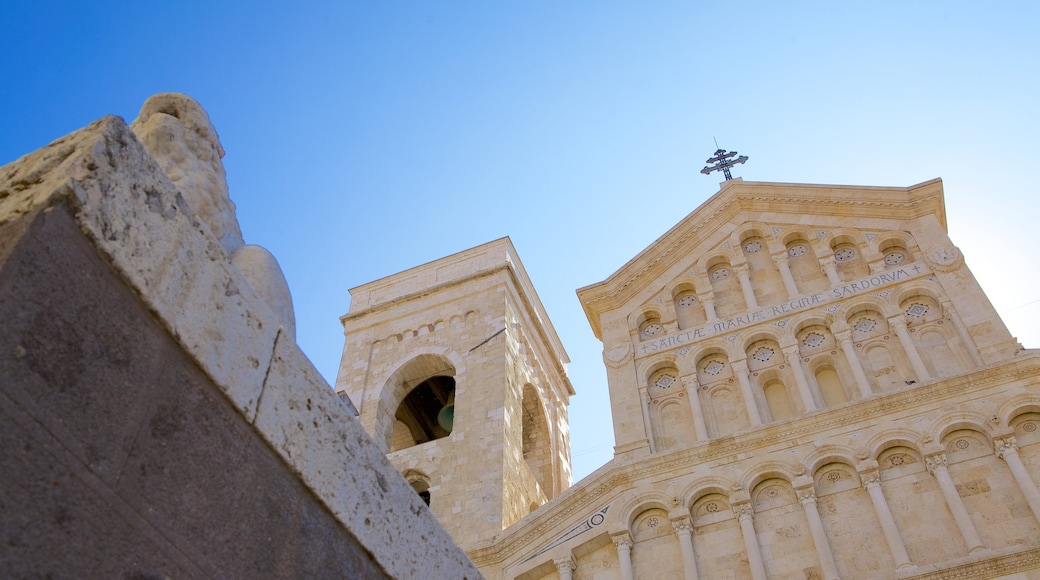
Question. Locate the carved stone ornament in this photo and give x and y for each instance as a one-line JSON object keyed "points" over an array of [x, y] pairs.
{"points": [[682, 526], [870, 478], [1005, 446], [566, 563], [622, 540], [617, 354], [807, 495], [946, 259], [935, 462], [743, 509]]}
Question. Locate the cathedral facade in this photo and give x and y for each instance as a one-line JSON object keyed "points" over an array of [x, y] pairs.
{"points": [[805, 381]]}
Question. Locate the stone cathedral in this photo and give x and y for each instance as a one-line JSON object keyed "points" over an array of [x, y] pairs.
{"points": [[806, 382]]}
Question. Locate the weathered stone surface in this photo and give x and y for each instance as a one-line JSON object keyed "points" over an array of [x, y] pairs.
{"points": [[262, 270], [178, 134], [121, 458], [320, 438], [806, 381], [141, 223], [143, 420]]}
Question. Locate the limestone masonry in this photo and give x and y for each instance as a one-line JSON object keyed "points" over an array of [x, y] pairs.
{"points": [[806, 382], [158, 418]]}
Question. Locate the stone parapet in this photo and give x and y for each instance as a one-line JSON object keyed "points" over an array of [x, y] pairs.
{"points": [[139, 224]]}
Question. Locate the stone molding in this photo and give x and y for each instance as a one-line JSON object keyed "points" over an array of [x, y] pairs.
{"points": [[924, 199], [611, 483]]}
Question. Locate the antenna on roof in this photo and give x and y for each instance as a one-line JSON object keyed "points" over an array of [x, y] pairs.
{"points": [[723, 160]]}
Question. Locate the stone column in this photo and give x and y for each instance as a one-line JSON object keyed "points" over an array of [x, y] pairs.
{"points": [[937, 467], [1007, 449], [684, 529], [744, 275], [831, 270], [898, 324], [747, 529], [872, 483], [807, 497], [644, 405], [565, 566], [623, 543], [794, 358], [962, 330], [708, 301], [844, 339], [740, 369], [783, 264], [693, 393]]}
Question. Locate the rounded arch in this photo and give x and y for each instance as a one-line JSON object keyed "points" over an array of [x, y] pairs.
{"points": [[889, 438], [863, 304], [768, 333], [823, 361], [760, 472], [647, 322], [913, 289], [798, 233], [1015, 406], [949, 422], [701, 487], [828, 454], [648, 367], [890, 239], [840, 236], [748, 230], [715, 346], [807, 320], [536, 439], [751, 230], [720, 257], [420, 481], [421, 366], [683, 284], [637, 504]]}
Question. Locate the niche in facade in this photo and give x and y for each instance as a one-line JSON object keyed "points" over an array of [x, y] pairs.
{"points": [[417, 416]]}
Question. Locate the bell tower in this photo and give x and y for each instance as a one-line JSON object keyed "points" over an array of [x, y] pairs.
{"points": [[460, 377]]}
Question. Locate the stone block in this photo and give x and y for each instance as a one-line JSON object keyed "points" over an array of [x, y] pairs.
{"points": [[316, 434]]}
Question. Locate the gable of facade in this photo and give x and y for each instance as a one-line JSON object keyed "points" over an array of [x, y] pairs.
{"points": [[798, 373]]}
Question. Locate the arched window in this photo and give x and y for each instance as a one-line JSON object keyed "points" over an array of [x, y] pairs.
{"points": [[777, 399], [420, 483], [536, 444], [831, 387], [425, 414]]}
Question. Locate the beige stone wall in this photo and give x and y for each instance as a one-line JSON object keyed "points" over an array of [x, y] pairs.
{"points": [[245, 393], [771, 469], [806, 382], [473, 317]]}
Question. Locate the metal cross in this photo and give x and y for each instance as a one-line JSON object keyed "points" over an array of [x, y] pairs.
{"points": [[723, 161]]}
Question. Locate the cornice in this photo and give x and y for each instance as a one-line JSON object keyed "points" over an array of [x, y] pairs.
{"points": [[994, 567]]}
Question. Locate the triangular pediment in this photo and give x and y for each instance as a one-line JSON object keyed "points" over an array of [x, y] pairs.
{"points": [[769, 216]]}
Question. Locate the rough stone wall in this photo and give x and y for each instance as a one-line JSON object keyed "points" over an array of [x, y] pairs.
{"points": [[122, 458], [196, 412]]}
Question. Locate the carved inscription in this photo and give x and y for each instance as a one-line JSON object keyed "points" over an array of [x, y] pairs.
{"points": [[780, 310]]}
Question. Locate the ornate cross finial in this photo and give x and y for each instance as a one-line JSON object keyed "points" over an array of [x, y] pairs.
{"points": [[723, 160]]}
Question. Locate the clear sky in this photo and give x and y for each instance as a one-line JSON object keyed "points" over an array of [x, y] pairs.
{"points": [[364, 138]]}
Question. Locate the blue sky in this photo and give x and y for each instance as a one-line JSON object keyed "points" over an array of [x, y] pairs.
{"points": [[365, 138]]}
